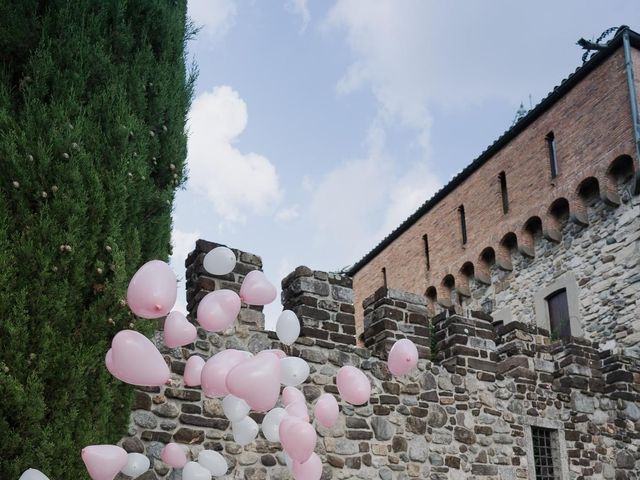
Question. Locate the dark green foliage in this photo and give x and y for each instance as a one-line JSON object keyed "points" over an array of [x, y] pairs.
{"points": [[93, 100]]}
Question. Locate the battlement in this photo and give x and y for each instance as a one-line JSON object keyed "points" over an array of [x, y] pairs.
{"points": [[466, 412]]}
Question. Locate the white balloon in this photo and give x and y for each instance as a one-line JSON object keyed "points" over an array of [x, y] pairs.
{"points": [[219, 261], [214, 462], [288, 327], [195, 471], [136, 465], [234, 408], [245, 431], [271, 424], [33, 474], [293, 371]]}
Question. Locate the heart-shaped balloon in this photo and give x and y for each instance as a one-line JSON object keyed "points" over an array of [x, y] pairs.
{"points": [[153, 290], [195, 471], [309, 470], [288, 327], [178, 331], [271, 424], [403, 357], [33, 474], [214, 373], [293, 371], [276, 351], [173, 455], [234, 408], [219, 261], [214, 462], [299, 410], [298, 438], [256, 381], [218, 310], [353, 385], [292, 394], [137, 464], [256, 289], [326, 410], [245, 431], [135, 360], [104, 462], [193, 371]]}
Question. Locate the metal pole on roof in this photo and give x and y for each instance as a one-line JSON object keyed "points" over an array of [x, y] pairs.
{"points": [[633, 98]]}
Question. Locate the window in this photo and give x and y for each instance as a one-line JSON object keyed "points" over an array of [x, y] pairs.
{"points": [[384, 277], [463, 224], [551, 145], [503, 191], [559, 320], [425, 238], [546, 453]]}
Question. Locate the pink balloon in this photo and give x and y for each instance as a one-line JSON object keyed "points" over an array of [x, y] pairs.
{"points": [[108, 361], [403, 357], [292, 394], [326, 410], [173, 455], [193, 371], [153, 290], [256, 381], [353, 385], [103, 462], [276, 351], [256, 289], [309, 470], [298, 438], [218, 310], [178, 331], [214, 373], [299, 410], [136, 360]]}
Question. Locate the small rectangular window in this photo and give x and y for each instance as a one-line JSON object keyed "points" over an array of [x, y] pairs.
{"points": [[553, 160], [463, 224], [425, 238], [503, 191], [384, 277], [559, 321], [546, 453]]}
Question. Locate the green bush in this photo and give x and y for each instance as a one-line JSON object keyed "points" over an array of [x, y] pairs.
{"points": [[93, 102]]}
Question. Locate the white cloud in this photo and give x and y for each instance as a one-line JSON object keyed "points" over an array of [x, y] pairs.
{"points": [[238, 184], [300, 8], [288, 214], [216, 17]]}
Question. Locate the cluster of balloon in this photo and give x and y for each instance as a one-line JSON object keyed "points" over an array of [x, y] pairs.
{"points": [[243, 381]]}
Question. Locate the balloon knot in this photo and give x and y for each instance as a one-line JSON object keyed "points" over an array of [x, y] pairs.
{"points": [[158, 307]]}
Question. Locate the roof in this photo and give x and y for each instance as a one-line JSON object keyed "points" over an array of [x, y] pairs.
{"points": [[546, 103]]}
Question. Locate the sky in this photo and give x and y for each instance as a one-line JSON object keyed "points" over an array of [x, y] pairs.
{"points": [[318, 126]]}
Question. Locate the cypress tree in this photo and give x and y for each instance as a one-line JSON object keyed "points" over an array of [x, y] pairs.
{"points": [[93, 102]]}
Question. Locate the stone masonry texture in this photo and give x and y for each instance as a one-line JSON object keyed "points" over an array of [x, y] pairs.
{"points": [[596, 156], [466, 412]]}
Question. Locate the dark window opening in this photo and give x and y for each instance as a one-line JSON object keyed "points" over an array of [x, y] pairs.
{"points": [[559, 321], [425, 238], [546, 453], [463, 224], [504, 192], [553, 160], [384, 277]]}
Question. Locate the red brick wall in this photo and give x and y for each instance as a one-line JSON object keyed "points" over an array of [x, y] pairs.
{"points": [[592, 127]]}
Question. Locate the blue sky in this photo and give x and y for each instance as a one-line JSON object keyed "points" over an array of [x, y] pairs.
{"points": [[318, 126]]}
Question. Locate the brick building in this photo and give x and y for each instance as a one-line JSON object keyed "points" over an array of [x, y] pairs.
{"points": [[549, 207], [518, 282]]}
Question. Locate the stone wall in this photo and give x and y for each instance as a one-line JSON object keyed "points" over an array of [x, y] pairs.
{"points": [[466, 412], [604, 258]]}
